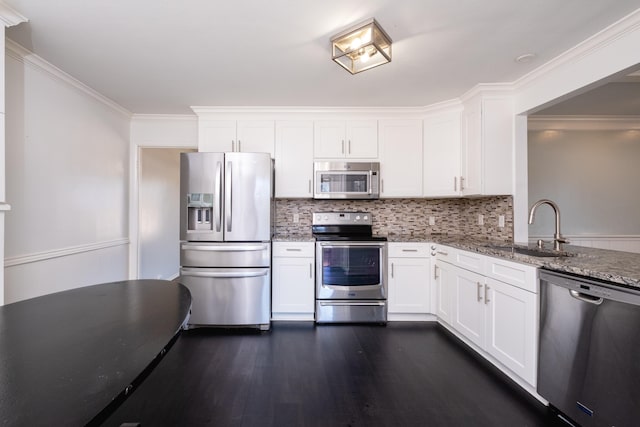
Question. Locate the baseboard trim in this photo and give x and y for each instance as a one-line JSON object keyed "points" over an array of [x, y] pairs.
{"points": [[57, 253]]}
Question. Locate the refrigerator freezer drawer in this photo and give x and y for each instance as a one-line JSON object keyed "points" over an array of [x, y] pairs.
{"points": [[205, 254], [229, 297]]}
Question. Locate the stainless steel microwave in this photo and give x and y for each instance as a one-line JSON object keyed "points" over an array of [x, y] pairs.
{"points": [[346, 180]]}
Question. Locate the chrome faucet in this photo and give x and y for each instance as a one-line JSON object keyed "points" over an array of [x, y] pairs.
{"points": [[557, 237]]}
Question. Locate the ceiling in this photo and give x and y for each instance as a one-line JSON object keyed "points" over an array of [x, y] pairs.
{"points": [[163, 56]]}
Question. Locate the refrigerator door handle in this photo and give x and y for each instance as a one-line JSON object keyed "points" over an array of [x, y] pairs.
{"points": [[224, 248], [218, 197], [233, 275], [227, 196]]}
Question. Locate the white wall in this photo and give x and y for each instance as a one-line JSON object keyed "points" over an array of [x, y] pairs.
{"points": [[591, 175], [159, 215], [156, 141], [601, 57], [67, 166]]}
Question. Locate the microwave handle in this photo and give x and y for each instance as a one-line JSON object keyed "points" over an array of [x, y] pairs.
{"points": [[370, 182]]}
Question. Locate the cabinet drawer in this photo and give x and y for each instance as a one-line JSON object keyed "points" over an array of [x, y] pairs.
{"points": [[293, 249], [513, 273], [408, 250], [444, 253], [470, 261]]}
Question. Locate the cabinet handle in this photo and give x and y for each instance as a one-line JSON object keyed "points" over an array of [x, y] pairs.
{"points": [[455, 183], [310, 270], [349, 145], [442, 253], [381, 185], [435, 272], [343, 146], [293, 249], [239, 149], [233, 146], [478, 292], [486, 294], [409, 250], [309, 186], [461, 183], [392, 270]]}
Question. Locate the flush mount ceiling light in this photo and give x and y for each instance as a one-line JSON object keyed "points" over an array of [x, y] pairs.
{"points": [[362, 47]]}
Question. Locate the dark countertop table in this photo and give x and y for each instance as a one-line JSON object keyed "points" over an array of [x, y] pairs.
{"points": [[70, 358]]}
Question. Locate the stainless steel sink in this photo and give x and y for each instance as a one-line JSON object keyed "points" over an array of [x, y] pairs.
{"points": [[531, 251]]}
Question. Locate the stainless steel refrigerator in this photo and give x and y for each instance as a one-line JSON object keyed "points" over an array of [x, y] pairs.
{"points": [[226, 205]]}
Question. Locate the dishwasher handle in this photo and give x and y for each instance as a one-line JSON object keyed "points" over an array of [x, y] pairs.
{"points": [[585, 298]]}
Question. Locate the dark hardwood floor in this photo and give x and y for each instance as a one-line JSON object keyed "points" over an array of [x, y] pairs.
{"points": [[299, 374]]}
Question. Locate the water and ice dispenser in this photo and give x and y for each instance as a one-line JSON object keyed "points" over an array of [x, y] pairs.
{"points": [[199, 211]]}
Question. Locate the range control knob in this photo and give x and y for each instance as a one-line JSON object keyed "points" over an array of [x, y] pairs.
{"points": [[366, 217]]}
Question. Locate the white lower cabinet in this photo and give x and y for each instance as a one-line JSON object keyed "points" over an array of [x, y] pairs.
{"points": [[511, 328], [293, 284], [409, 281], [442, 274], [468, 304], [497, 318]]}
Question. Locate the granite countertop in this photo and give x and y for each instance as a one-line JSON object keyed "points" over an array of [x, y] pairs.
{"points": [[293, 238], [613, 266]]}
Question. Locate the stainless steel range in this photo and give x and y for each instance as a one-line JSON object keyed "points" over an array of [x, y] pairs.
{"points": [[350, 269]]}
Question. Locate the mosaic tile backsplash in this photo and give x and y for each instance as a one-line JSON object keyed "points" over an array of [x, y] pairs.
{"points": [[407, 217]]}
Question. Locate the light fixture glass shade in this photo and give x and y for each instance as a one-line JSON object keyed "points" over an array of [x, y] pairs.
{"points": [[362, 47]]}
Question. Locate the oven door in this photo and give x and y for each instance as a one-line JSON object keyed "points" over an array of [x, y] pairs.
{"points": [[351, 270]]}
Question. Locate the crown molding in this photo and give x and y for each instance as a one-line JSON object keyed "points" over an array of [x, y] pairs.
{"points": [[165, 117], [24, 55], [9, 16], [601, 39], [452, 104], [587, 123], [489, 89]]}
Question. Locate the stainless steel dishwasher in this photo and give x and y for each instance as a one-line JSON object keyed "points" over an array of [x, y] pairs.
{"points": [[589, 369]]}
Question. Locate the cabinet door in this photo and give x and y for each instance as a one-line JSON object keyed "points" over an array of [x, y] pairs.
{"points": [[497, 145], [256, 136], [468, 304], [218, 136], [409, 289], [471, 154], [294, 159], [511, 328], [362, 139], [293, 286], [400, 158], [329, 139], [441, 156], [443, 279]]}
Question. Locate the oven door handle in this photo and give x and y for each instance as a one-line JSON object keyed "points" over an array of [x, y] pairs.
{"points": [[357, 287], [354, 244], [336, 303]]}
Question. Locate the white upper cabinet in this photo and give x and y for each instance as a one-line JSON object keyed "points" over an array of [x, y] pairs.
{"points": [[218, 136], [441, 155], [247, 136], [294, 158], [354, 139], [487, 146], [256, 136], [400, 158]]}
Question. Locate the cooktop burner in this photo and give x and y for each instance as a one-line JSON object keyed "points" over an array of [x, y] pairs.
{"points": [[344, 226], [333, 237]]}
